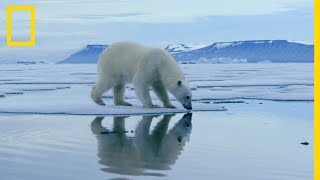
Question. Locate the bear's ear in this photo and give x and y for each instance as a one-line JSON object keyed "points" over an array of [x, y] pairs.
{"points": [[179, 83]]}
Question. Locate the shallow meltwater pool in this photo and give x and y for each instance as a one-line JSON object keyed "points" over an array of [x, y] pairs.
{"points": [[251, 140]]}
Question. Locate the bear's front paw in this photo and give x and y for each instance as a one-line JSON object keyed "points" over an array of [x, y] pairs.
{"points": [[99, 102], [155, 106], [151, 106], [125, 103], [170, 106], [122, 103]]}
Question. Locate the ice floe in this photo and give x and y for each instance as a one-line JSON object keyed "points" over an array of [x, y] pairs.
{"points": [[64, 88]]}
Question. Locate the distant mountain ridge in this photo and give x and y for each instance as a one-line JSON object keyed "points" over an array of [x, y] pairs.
{"points": [[89, 54], [277, 51]]}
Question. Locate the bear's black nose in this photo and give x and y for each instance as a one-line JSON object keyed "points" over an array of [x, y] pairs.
{"points": [[187, 107]]}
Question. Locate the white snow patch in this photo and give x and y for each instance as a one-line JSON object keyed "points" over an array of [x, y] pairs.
{"points": [[236, 43], [222, 45], [175, 48], [258, 42]]}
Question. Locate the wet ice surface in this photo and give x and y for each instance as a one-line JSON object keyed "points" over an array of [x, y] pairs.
{"points": [[252, 140], [64, 89]]}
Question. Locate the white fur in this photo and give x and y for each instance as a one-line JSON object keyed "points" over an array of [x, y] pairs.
{"points": [[126, 62]]}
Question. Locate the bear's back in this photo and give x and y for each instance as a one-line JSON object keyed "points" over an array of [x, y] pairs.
{"points": [[124, 52]]}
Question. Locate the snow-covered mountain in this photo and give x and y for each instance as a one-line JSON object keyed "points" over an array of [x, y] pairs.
{"points": [[220, 52], [249, 51], [89, 54]]}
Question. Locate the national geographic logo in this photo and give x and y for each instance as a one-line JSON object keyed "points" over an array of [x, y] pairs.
{"points": [[32, 38]]}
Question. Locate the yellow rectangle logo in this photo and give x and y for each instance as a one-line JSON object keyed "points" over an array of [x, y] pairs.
{"points": [[32, 40]]}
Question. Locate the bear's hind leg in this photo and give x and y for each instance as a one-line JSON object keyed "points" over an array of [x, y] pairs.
{"points": [[161, 92], [98, 89], [118, 95]]}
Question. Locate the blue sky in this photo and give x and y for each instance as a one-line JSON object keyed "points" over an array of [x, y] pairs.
{"points": [[64, 26]]}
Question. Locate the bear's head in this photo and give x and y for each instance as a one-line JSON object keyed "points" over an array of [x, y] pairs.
{"points": [[182, 93]]}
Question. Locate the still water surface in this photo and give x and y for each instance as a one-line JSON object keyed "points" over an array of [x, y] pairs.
{"points": [[252, 140]]}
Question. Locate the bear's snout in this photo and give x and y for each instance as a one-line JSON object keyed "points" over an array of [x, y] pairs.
{"points": [[188, 107]]}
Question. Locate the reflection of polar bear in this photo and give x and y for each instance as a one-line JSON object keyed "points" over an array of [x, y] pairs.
{"points": [[126, 62], [134, 155]]}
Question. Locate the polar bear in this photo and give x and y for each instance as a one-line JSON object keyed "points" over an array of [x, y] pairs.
{"points": [[126, 62]]}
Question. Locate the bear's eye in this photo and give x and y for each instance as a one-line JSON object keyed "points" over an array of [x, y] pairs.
{"points": [[188, 97]]}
